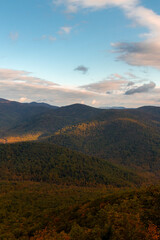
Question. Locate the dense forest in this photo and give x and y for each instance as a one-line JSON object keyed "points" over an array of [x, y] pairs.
{"points": [[39, 162], [125, 215], [41, 211], [79, 173], [124, 141]]}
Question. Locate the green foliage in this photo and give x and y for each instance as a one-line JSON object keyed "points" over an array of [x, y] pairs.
{"points": [[41, 211], [19, 119], [129, 137], [28, 207], [125, 141], [66, 197], [50, 163], [122, 215]]}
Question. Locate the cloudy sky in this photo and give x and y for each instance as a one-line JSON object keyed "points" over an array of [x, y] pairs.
{"points": [[96, 52]]}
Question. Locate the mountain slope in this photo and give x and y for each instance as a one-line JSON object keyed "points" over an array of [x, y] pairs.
{"points": [[127, 215], [123, 140], [18, 119], [52, 120], [13, 114], [124, 136], [50, 163]]}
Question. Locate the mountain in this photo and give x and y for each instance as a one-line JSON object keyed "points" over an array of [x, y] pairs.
{"points": [[41, 162], [33, 119], [13, 114], [42, 104], [129, 137], [126, 141], [153, 112], [2, 100], [17, 119], [115, 107], [47, 188]]}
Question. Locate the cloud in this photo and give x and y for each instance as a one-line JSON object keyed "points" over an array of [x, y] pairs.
{"points": [[118, 76], [94, 102], [142, 89], [106, 86], [50, 38], [146, 52], [131, 75], [130, 83], [64, 30], [23, 100], [142, 53], [75, 5], [139, 54], [24, 87], [82, 69], [14, 36]]}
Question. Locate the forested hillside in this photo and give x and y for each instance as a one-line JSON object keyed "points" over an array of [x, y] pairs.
{"points": [[43, 211], [128, 137], [130, 215], [13, 114], [43, 162], [22, 119], [123, 140], [84, 177]]}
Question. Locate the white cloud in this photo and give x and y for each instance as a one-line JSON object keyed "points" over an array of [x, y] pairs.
{"points": [[22, 86], [146, 18], [105, 86], [75, 5], [22, 77], [52, 38], [65, 30], [143, 53], [94, 102], [23, 100], [115, 83], [146, 52]]}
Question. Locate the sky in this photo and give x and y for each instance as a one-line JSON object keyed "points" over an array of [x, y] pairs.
{"points": [[103, 53]]}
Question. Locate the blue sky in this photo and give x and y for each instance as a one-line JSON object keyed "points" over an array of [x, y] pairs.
{"points": [[96, 52]]}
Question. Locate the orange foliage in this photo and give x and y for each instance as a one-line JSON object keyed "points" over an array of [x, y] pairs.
{"points": [[23, 138], [50, 234], [153, 233]]}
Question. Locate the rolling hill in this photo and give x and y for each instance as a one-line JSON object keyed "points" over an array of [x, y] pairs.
{"points": [[47, 188], [13, 114], [127, 141], [50, 163], [22, 119], [129, 137]]}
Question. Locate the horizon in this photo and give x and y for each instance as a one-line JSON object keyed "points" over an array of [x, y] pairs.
{"points": [[98, 53], [76, 103]]}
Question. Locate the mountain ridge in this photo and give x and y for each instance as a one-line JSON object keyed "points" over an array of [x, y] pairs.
{"points": [[129, 137]]}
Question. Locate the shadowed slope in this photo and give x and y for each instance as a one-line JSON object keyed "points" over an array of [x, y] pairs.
{"points": [[51, 163]]}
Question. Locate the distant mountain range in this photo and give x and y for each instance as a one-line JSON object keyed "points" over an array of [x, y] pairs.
{"points": [[127, 137], [114, 107]]}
